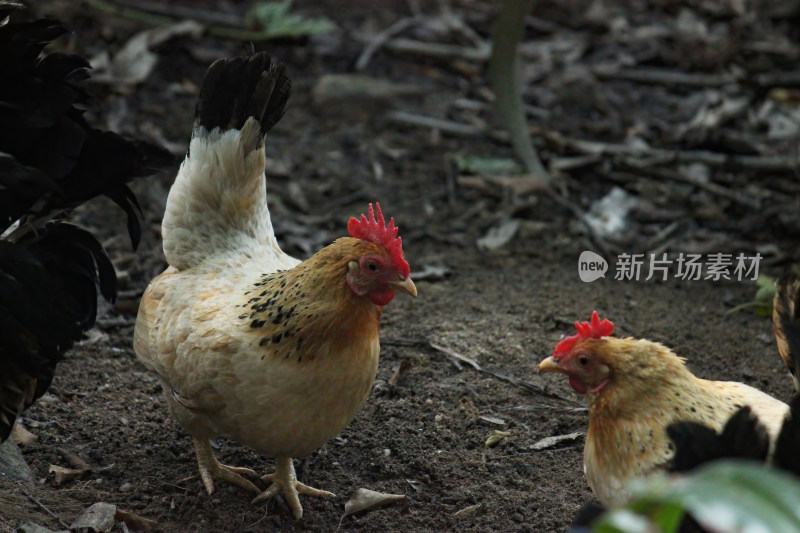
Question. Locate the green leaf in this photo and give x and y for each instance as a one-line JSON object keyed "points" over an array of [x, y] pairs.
{"points": [[762, 303], [724, 496], [271, 20]]}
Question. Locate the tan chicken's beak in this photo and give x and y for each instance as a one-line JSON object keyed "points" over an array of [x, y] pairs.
{"points": [[550, 365], [407, 286]]}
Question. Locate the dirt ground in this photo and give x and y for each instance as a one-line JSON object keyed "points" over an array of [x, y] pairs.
{"points": [[423, 435]]}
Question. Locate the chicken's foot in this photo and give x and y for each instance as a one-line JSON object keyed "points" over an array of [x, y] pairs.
{"points": [[284, 482], [211, 468]]}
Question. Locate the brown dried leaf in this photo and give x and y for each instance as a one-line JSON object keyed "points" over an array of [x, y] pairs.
{"points": [[74, 461], [401, 369], [22, 436], [64, 475], [134, 521], [366, 500]]}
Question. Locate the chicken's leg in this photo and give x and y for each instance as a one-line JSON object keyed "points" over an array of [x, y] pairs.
{"points": [[210, 468], [284, 482]]}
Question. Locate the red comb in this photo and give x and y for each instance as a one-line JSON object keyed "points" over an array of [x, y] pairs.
{"points": [[586, 330], [378, 232]]}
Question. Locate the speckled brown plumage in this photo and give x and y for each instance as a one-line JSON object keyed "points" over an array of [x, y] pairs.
{"points": [[647, 388], [248, 341]]}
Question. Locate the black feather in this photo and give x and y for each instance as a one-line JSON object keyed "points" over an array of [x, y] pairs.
{"points": [[52, 160], [41, 128], [787, 447], [743, 437], [236, 89]]}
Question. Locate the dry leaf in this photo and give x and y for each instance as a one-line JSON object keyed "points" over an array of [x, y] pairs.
{"points": [[65, 475], [495, 437], [493, 420], [608, 216], [134, 62], [467, 511], [22, 436], [74, 461], [416, 485], [549, 442], [498, 236], [134, 521], [431, 273], [401, 369], [366, 500]]}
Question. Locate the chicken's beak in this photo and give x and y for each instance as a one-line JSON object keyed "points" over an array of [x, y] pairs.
{"points": [[550, 365], [407, 286]]}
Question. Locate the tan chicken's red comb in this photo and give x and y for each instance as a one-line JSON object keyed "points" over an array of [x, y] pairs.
{"points": [[377, 231], [586, 330]]}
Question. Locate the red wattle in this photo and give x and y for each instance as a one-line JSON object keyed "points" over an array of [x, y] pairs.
{"points": [[577, 385], [381, 297]]}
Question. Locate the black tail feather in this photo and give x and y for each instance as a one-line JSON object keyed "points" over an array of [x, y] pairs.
{"points": [[52, 160], [236, 89], [41, 128], [48, 298]]}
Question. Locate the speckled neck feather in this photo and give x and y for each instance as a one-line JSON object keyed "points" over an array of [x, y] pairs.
{"points": [[309, 310]]}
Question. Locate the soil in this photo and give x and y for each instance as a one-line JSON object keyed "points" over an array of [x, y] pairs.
{"points": [[422, 435]]}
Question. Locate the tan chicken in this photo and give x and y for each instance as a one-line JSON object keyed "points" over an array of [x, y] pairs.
{"points": [[635, 389], [249, 342]]}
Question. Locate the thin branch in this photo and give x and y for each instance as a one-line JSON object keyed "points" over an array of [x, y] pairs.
{"points": [[445, 126], [665, 156], [457, 358], [381, 38], [657, 76], [45, 508]]}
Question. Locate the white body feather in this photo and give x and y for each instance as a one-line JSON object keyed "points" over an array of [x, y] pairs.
{"points": [[217, 207]]}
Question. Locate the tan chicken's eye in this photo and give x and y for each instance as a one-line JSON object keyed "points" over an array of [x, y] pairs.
{"points": [[583, 360], [372, 266]]}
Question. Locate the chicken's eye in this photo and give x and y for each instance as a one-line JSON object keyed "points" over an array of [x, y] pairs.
{"points": [[583, 360], [372, 266]]}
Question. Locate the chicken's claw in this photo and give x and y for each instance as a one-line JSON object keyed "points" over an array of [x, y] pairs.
{"points": [[211, 468], [284, 482]]}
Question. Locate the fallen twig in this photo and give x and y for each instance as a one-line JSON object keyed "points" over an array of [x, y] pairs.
{"points": [[443, 125], [659, 76], [456, 357], [711, 187], [533, 388], [33, 498], [438, 50], [183, 12], [376, 42], [662, 156]]}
